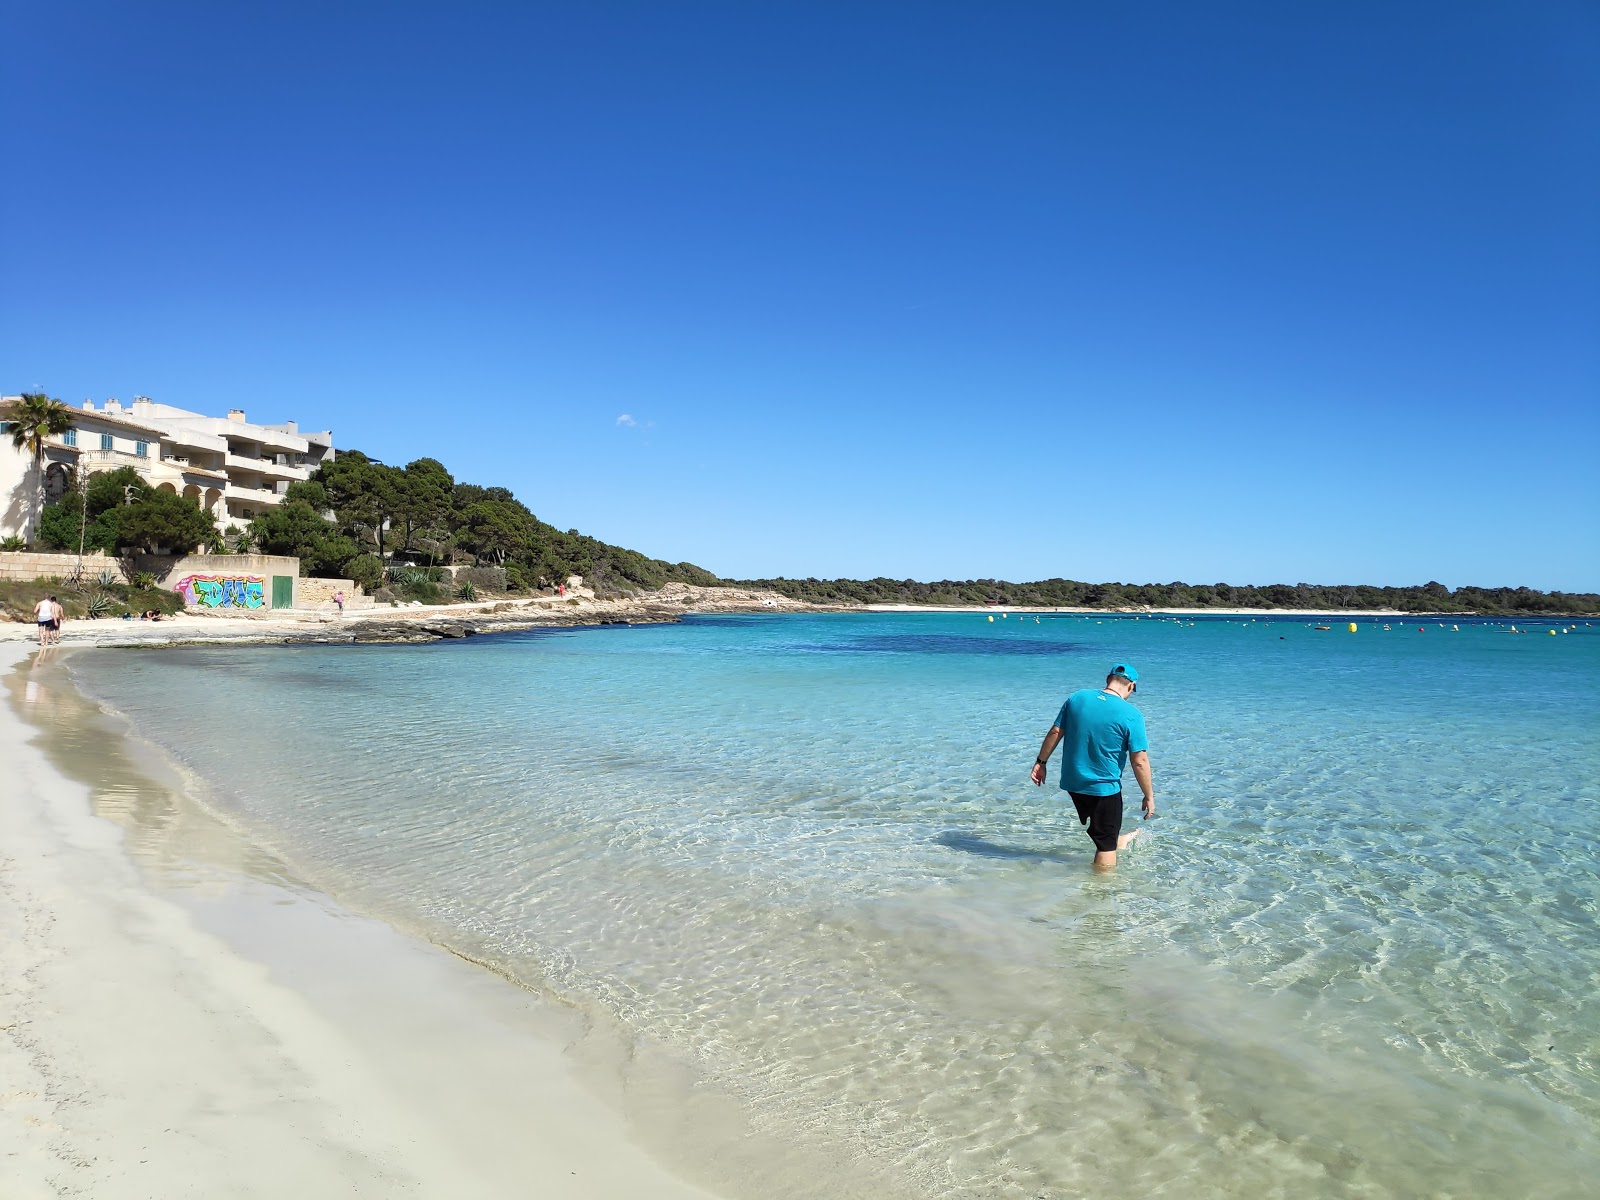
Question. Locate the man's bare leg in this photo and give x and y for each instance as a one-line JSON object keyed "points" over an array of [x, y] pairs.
{"points": [[1106, 860]]}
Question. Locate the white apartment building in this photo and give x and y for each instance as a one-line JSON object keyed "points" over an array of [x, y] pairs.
{"points": [[231, 468]]}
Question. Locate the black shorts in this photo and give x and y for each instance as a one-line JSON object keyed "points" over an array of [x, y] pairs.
{"points": [[1103, 816]]}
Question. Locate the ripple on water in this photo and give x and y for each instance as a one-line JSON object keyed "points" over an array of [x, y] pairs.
{"points": [[1355, 958]]}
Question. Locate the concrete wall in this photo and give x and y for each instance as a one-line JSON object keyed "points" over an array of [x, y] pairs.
{"points": [[225, 580], [221, 582], [26, 566]]}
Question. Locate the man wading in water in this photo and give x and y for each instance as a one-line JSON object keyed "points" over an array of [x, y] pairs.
{"points": [[1102, 732]]}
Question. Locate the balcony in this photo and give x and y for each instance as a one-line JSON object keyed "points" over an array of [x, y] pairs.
{"points": [[255, 497], [267, 465], [186, 467], [95, 461], [190, 439]]}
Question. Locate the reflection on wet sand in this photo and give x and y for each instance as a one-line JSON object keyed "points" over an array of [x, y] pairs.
{"points": [[154, 800]]}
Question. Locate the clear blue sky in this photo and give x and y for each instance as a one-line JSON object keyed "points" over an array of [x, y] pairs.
{"points": [[1246, 292]]}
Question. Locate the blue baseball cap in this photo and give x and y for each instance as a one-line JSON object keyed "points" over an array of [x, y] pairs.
{"points": [[1125, 669]]}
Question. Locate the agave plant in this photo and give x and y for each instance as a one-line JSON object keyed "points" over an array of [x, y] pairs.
{"points": [[466, 591], [106, 578], [144, 579], [13, 543], [97, 605]]}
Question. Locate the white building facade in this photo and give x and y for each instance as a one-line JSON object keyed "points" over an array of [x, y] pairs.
{"points": [[231, 468]]}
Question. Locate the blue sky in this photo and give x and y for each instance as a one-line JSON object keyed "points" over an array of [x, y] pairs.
{"points": [[1230, 292]]}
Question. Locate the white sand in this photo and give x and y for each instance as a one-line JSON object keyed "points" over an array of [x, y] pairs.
{"points": [[141, 1055]]}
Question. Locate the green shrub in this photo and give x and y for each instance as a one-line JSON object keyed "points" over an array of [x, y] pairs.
{"points": [[62, 525], [410, 576], [424, 590], [466, 591], [484, 579], [139, 599], [143, 579], [366, 571]]}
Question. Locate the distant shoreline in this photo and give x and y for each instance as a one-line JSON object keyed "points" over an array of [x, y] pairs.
{"points": [[667, 606], [1175, 612]]}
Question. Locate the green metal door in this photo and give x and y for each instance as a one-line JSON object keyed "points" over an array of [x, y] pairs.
{"points": [[283, 591]]}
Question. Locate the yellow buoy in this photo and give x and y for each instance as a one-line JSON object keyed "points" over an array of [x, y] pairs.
{"points": [[1552, 633], [991, 618], [1352, 626]]}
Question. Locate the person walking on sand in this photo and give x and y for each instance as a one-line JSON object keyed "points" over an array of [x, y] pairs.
{"points": [[338, 599], [44, 613], [1102, 733], [58, 616]]}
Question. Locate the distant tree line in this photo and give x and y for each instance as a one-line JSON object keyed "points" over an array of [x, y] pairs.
{"points": [[1070, 593], [357, 516]]}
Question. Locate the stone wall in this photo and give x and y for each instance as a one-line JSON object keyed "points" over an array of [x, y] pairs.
{"points": [[318, 594], [21, 565]]}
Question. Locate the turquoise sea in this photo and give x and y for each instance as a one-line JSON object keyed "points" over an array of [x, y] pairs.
{"points": [[1357, 956]]}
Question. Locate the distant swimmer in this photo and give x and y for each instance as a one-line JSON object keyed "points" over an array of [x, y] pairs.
{"points": [[1103, 733]]}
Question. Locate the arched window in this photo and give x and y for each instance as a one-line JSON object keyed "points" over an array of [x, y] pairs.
{"points": [[56, 480]]}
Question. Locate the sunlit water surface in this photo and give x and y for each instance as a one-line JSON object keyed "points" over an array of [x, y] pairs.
{"points": [[1356, 956]]}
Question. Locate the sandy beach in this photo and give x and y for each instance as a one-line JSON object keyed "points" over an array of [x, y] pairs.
{"points": [[247, 1038]]}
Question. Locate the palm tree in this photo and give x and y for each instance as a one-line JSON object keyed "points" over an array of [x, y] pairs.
{"points": [[32, 418]]}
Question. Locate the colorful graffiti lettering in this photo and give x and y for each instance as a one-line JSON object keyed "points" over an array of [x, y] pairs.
{"points": [[222, 591]]}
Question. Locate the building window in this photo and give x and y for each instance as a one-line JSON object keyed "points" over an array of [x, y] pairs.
{"points": [[106, 441], [70, 438], [142, 449]]}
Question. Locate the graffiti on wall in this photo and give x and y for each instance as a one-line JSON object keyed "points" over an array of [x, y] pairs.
{"points": [[222, 591]]}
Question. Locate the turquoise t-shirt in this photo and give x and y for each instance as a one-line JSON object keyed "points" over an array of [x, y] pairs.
{"points": [[1098, 730]]}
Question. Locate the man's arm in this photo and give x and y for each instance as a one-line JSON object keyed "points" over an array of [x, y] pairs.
{"points": [[1046, 749], [1140, 761]]}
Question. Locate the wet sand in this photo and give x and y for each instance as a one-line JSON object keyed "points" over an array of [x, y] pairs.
{"points": [[176, 1021]]}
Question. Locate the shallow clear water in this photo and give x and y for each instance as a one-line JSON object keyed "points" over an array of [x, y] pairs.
{"points": [[1357, 955]]}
